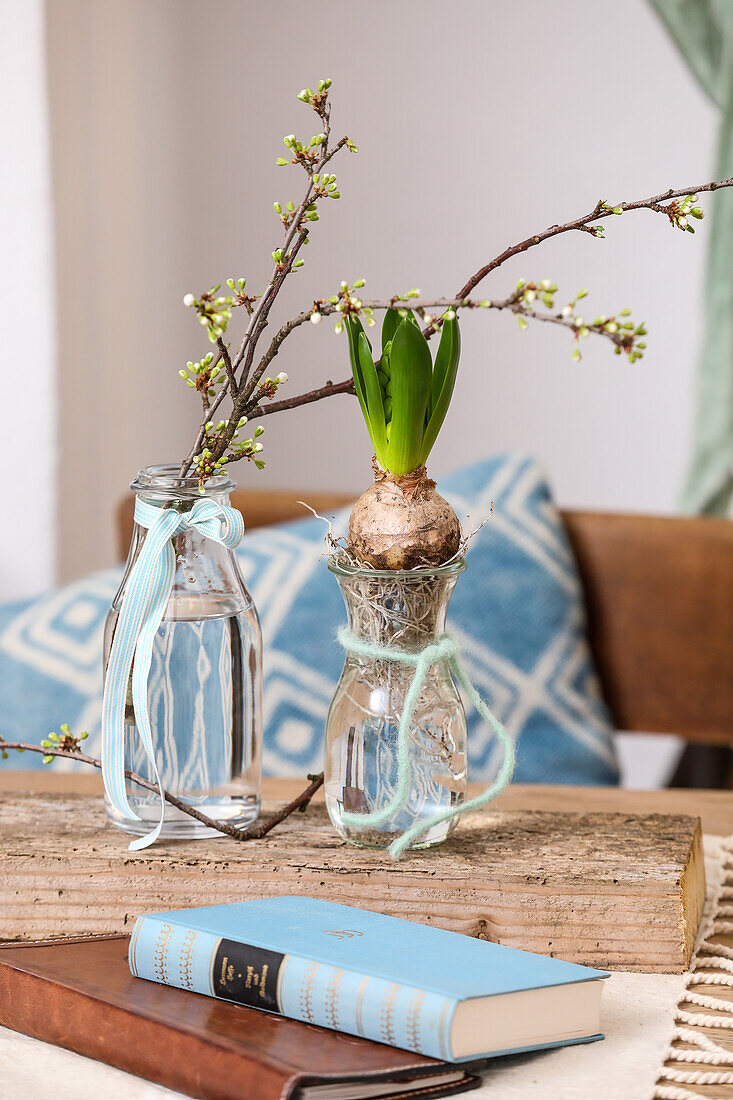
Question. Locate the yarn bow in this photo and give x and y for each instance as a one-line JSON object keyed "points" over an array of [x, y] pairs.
{"points": [[446, 648]]}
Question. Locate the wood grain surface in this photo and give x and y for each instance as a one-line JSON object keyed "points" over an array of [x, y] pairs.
{"points": [[715, 808], [610, 890]]}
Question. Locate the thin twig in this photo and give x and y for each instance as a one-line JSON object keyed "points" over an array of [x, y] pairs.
{"points": [[224, 353], [599, 211], [242, 381], [255, 831], [329, 390], [242, 390]]}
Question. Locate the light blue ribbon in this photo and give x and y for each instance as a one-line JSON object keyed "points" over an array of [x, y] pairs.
{"points": [[144, 601]]}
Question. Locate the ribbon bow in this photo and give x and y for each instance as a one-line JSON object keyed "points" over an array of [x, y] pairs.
{"points": [[446, 648], [144, 601]]}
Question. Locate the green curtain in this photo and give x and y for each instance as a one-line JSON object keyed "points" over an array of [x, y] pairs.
{"points": [[703, 31]]}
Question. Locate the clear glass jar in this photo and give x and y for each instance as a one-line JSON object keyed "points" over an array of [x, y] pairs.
{"points": [[205, 682], [406, 611]]}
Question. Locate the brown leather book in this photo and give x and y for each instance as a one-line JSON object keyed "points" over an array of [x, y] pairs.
{"points": [[79, 994]]}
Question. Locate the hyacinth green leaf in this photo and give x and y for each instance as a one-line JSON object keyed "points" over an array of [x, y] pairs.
{"points": [[354, 329], [373, 398], [411, 373], [444, 379], [390, 325]]}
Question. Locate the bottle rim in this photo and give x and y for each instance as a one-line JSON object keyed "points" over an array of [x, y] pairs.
{"points": [[341, 568], [164, 478]]}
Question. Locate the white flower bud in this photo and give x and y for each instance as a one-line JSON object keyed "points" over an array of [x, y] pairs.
{"points": [[257, 447], [567, 311], [282, 377], [316, 318], [188, 299]]}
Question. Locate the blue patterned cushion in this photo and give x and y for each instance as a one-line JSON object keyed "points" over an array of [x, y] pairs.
{"points": [[517, 610]]}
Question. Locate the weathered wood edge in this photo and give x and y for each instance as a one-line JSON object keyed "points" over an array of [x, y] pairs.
{"points": [[679, 889]]}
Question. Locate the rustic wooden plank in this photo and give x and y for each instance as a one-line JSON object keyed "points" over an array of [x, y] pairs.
{"points": [[715, 808], [612, 890]]}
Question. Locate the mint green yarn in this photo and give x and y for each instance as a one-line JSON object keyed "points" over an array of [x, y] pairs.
{"points": [[445, 649]]}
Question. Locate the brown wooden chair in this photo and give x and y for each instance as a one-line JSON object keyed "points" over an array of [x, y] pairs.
{"points": [[659, 595]]}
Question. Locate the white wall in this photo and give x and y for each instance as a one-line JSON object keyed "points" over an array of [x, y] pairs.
{"points": [[27, 312], [477, 126]]}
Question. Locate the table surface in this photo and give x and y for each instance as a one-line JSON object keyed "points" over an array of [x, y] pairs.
{"points": [[715, 808]]}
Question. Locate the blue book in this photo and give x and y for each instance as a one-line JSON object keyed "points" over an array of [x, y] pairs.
{"points": [[409, 985]]}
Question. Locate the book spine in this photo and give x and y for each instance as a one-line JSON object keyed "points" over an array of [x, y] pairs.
{"points": [[292, 985]]}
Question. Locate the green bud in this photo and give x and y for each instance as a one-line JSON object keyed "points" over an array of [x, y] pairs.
{"points": [[48, 760], [281, 162], [278, 210]]}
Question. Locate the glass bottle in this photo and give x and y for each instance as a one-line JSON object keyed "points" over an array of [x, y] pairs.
{"points": [[205, 682], [402, 610]]}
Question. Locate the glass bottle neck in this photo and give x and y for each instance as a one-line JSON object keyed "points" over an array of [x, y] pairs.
{"points": [[404, 612]]}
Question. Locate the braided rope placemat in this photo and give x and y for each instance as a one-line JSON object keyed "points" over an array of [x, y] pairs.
{"points": [[699, 1062]]}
